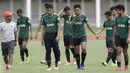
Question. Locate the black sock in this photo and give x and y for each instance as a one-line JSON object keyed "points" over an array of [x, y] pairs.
{"points": [[22, 54], [83, 57], [126, 63], [109, 57], [67, 53], [58, 54], [26, 52], [73, 52], [78, 60], [114, 56], [49, 64], [119, 64]]}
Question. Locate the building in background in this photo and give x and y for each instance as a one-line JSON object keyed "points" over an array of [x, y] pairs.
{"points": [[34, 8]]}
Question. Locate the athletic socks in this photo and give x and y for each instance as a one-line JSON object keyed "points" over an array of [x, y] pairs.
{"points": [[119, 64], [67, 53], [109, 57], [22, 54], [83, 57], [73, 52], [26, 52], [78, 60], [126, 63]]}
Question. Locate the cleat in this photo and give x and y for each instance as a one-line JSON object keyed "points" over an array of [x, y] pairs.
{"points": [[49, 68], [59, 62], [56, 67], [82, 67], [7, 68], [27, 59], [74, 60], [104, 63], [43, 62], [113, 64], [22, 62], [118, 69], [126, 67], [78, 68], [67, 63]]}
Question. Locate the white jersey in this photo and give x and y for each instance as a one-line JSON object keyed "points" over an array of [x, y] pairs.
{"points": [[7, 30]]}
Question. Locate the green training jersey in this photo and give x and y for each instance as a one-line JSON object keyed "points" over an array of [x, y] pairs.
{"points": [[67, 29], [42, 16], [109, 25], [79, 27], [23, 24], [51, 23], [122, 23]]}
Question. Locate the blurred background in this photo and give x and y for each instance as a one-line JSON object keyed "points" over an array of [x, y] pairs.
{"points": [[34, 8]]}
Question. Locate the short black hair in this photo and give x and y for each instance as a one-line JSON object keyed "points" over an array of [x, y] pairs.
{"points": [[49, 6], [19, 11], [66, 8], [109, 13], [46, 4], [120, 7], [112, 8], [77, 6]]}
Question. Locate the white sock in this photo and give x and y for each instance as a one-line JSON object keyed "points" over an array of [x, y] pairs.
{"points": [[9, 65]]}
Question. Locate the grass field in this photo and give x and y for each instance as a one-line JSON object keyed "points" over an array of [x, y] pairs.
{"points": [[96, 54]]}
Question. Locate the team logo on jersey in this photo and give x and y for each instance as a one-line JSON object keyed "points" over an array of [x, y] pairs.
{"points": [[78, 23], [23, 25], [109, 28], [121, 25], [50, 25]]}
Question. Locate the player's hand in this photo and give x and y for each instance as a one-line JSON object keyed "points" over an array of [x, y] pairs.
{"points": [[36, 36], [31, 37], [42, 42], [128, 40], [96, 35], [58, 38]]}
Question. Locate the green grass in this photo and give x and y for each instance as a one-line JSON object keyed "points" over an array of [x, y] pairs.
{"points": [[96, 54]]}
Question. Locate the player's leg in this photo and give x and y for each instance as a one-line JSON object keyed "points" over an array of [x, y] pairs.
{"points": [[77, 51], [125, 52], [67, 53], [84, 53], [114, 55], [10, 53], [59, 62], [24, 46], [47, 41], [20, 41], [72, 49], [55, 47], [119, 51]]}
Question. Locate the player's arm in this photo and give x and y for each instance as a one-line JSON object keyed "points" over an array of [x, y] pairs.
{"points": [[128, 39], [15, 34], [101, 30], [30, 25], [38, 29], [60, 13], [43, 32], [114, 33], [72, 20], [59, 29]]}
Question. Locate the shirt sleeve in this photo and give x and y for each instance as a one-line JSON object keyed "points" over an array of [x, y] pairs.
{"points": [[29, 21], [104, 25], [17, 22], [58, 20], [0, 27], [43, 22], [15, 27], [129, 22], [86, 19]]}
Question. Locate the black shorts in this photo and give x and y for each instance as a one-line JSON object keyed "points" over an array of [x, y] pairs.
{"points": [[7, 47], [50, 40], [109, 44], [21, 40], [78, 41], [122, 42], [68, 40]]}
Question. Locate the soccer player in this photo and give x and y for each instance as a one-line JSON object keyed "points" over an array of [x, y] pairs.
{"points": [[51, 35], [114, 14], [9, 37], [122, 35], [23, 25], [109, 25], [36, 36], [79, 34], [68, 32]]}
